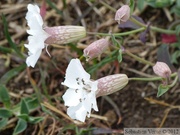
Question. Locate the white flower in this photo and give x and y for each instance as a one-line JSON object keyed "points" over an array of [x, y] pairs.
{"points": [[80, 97], [41, 36], [37, 34]]}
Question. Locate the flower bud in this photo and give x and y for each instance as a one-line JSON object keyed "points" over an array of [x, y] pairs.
{"points": [[122, 14], [64, 34], [95, 49], [110, 84], [162, 69]]}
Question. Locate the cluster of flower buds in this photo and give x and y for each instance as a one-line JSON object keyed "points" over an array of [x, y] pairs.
{"points": [[41, 36]]}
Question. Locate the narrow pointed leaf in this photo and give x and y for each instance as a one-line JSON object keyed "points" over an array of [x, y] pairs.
{"points": [[108, 59], [33, 104], [34, 120], [8, 37], [140, 4], [5, 113], [24, 117], [162, 89], [4, 96], [10, 74], [5, 49], [120, 56], [3, 122], [52, 5], [24, 107], [20, 127]]}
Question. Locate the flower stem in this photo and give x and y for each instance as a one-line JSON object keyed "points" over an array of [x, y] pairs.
{"points": [[174, 82], [117, 34], [132, 19], [166, 31], [82, 56], [107, 6], [139, 58], [153, 79]]}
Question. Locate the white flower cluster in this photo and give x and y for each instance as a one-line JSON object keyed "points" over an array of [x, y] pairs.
{"points": [[81, 94]]}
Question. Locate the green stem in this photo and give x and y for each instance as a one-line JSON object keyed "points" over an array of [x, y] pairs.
{"points": [[152, 27], [152, 78], [107, 6], [166, 31], [174, 82], [137, 22], [82, 56], [118, 34], [139, 58]]}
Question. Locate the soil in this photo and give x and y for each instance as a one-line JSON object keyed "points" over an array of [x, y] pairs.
{"points": [[136, 105]]}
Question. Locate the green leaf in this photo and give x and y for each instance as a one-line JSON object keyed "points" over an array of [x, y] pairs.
{"points": [[162, 89], [115, 42], [103, 62], [175, 56], [120, 56], [30, 119], [53, 6], [140, 5], [10, 74], [5, 113], [5, 49], [24, 117], [8, 37], [160, 3], [20, 127], [177, 30], [3, 122], [132, 2], [34, 120], [4, 96], [24, 107], [175, 9], [75, 49], [33, 103]]}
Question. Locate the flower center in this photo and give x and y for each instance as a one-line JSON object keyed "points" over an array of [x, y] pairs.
{"points": [[85, 87]]}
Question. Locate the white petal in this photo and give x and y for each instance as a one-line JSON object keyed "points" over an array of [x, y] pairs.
{"points": [[87, 105], [94, 85], [71, 97], [74, 71], [90, 102], [34, 18], [94, 102], [36, 41], [77, 112], [34, 44], [33, 8], [32, 58]]}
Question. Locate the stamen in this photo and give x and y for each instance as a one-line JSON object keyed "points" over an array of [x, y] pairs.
{"points": [[76, 90], [47, 50], [83, 82]]}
